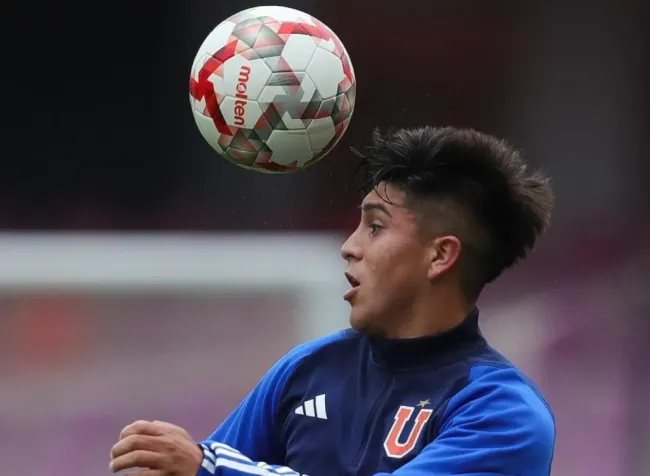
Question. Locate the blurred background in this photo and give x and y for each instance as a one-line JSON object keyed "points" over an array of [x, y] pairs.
{"points": [[134, 261]]}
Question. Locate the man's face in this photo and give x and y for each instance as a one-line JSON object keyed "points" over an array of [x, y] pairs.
{"points": [[387, 261]]}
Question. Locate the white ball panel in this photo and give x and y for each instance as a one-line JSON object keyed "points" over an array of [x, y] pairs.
{"points": [[327, 45], [290, 146], [291, 123], [308, 88], [245, 77], [298, 51], [326, 71], [219, 84], [208, 130], [272, 94], [198, 105], [321, 132], [240, 113]]}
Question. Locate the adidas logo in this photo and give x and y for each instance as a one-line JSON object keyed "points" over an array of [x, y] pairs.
{"points": [[314, 408]]}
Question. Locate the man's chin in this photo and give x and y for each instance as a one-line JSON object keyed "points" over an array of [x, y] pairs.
{"points": [[357, 320], [360, 321], [367, 322]]}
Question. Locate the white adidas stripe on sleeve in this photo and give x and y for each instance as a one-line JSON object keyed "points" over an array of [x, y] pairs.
{"points": [[321, 412], [222, 460]]}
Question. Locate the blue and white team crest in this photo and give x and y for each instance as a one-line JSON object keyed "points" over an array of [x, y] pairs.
{"points": [[397, 445]]}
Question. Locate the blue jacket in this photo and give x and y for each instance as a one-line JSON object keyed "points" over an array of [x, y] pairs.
{"points": [[351, 405]]}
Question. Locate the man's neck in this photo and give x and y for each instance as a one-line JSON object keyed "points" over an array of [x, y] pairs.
{"points": [[434, 313]]}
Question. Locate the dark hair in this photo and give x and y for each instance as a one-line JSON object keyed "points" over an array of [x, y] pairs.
{"points": [[480, 188]]}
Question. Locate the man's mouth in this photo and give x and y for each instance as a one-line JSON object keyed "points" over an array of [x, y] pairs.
{"points": [[354, 283]]}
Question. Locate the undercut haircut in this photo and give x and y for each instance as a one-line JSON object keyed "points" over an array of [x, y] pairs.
{"points": [[469, 184]]}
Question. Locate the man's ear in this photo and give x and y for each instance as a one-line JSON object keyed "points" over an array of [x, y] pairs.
{"points": [[445, 252]]}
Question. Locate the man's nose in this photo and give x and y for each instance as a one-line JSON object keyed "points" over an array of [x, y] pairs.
{"points": [[351, 251]]}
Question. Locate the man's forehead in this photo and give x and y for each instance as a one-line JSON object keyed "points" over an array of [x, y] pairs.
{"points": [[386, 194], [390, 202]]}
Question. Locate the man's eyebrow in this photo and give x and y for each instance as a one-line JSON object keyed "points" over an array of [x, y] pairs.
{"points": [[367, 207]]}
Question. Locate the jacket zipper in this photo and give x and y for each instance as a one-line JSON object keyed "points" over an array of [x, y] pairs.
{"points": [[371, 423]]}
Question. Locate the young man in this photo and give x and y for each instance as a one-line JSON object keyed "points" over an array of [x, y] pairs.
{"points": [[412, 389]]}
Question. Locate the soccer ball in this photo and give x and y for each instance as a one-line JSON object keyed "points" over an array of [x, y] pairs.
{"points": [[272, 89]]}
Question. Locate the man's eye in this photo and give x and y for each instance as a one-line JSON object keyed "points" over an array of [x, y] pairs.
{"points": [[374, 228]]}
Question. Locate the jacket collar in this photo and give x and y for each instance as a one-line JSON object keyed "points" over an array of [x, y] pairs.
{"points": [[427, 350]]}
